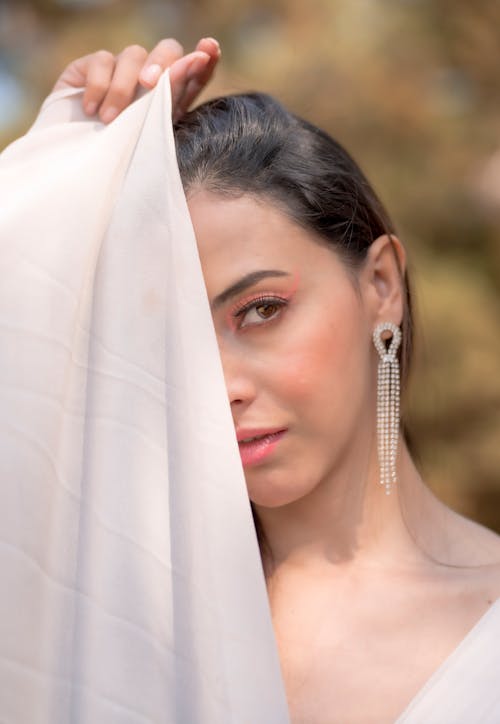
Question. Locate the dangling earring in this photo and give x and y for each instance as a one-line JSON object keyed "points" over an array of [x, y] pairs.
{"points": [[387, 402]]}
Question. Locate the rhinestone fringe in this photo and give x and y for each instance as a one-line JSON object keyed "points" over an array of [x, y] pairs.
{"points": [[388, 395]]}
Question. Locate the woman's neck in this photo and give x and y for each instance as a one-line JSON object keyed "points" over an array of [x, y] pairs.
{"points": [[348, 520]]}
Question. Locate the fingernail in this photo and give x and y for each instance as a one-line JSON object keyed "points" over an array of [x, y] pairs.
{"points": [[151, 73], [214, 42], [90, 108], [109, 114]]}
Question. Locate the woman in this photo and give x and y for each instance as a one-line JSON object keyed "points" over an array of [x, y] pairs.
{"points": [[370, 594]]}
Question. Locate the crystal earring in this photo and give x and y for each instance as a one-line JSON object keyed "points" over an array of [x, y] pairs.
{"points": [[387, 402]]}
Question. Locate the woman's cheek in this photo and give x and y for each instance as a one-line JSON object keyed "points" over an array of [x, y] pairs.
{"points": [[328, 367], [310, 367]]}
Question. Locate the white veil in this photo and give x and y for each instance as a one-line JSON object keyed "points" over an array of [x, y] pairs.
{"points": [[131, 587]]}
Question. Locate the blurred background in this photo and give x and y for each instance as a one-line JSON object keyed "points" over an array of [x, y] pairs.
{"points": [[412, 89]]}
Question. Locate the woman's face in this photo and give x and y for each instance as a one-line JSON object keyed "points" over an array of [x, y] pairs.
{"points": [[295, 342]]}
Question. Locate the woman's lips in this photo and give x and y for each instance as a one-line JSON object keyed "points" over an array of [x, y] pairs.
{"points": [[253, 451]]}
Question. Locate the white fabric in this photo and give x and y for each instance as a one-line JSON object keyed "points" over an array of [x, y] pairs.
{"points": [[131, 588], [466, 688]]}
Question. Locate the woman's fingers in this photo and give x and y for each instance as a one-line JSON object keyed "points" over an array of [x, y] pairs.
{"points": [[97, 70], [192, 90], [181, 74], [75, 74], [209, 46], [110, 82], [201, 75], [122, 86], [191, 74], [197, 80], [161, 57]]}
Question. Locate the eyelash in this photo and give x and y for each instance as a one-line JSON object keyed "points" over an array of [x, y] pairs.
{"points": [[256, 302]]}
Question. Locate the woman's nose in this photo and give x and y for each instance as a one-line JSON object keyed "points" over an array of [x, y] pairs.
{"points": [[240, 385]]}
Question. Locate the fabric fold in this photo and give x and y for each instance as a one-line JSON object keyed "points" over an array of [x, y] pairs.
{"points": [[132, 589]]}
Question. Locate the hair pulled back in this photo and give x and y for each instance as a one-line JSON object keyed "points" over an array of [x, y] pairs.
{"points": [[250, 144]]}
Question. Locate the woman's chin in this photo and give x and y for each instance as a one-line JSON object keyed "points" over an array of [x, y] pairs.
{"points": [[269, 493]]}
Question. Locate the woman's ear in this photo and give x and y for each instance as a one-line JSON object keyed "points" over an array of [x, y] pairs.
{"points": [[382, 279]]}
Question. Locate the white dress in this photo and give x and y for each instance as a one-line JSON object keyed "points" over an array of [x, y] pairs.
{"points": [[131, 588], [466, 687]]}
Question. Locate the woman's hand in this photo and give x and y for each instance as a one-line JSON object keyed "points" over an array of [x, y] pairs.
{"points": [[111, 81]]}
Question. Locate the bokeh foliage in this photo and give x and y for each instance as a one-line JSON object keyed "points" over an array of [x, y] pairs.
{"points": [[411, 88]]}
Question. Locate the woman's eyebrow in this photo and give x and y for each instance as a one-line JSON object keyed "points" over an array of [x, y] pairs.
{"points": [[247, 281]]}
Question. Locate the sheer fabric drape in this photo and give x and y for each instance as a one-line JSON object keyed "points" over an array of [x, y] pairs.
{"points": [[131, 583]]}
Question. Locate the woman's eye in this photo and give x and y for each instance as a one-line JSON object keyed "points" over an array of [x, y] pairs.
{"points": [[259, 312]]}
